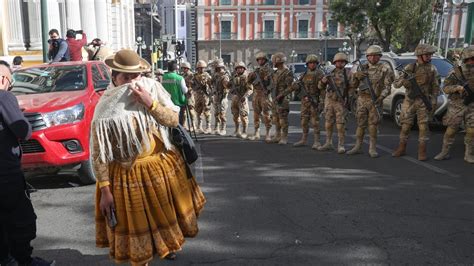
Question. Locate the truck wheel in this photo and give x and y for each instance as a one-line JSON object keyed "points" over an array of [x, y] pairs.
{"points": [[397, 111], [86, 174]]}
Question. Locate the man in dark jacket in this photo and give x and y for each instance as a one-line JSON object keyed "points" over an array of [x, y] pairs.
{"points": [[58, 47], [17, 217]]}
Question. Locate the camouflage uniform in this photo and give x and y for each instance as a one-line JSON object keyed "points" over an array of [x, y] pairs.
{"points": [[334, 109], [426, 77], [201, 85], [220, 82], [458, 110], [381, 78], [188, 78], [262, 99], [310, 101], [282, 79], [241, 90]]}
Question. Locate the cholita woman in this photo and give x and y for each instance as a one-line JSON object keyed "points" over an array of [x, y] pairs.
{"points": [[142, 179]]}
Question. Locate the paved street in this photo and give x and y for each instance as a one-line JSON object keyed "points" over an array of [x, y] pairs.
{"points": [[279, 205]]}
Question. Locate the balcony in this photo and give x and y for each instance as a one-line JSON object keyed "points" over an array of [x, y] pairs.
{"points": [[268, 35], [318, 35], [225, 36]]}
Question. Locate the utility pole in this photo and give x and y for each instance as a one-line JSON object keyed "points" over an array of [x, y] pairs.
{"points": [[44, 29], [469, 23], [152, 43]]}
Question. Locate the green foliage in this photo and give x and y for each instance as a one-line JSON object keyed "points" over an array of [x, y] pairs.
{"points": [[400, 24]]}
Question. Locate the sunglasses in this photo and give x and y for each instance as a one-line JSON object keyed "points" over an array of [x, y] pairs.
{"points": [[6, 79]]}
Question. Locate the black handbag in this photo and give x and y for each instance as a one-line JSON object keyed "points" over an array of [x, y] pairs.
{"points": [[183, 141]]}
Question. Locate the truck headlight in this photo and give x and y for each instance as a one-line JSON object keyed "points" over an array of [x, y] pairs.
{"points": [[66, 116]]}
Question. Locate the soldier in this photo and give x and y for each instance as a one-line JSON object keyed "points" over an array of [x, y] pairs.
{"points": [[380, 77], [202, 91], [262, 99], [426, 87], [188, 78], [334, 103], [460, 106], [282, 80], [220, 83], [311, 102], [241, 90]]}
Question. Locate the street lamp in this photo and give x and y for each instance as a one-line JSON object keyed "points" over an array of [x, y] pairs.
{"points": [[140, 43], [220, 35]]}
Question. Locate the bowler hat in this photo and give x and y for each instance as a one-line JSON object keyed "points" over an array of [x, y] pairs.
{"points": [[127, 61]]}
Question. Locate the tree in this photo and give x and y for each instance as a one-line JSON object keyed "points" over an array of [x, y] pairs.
{"points": [[401, 22]]}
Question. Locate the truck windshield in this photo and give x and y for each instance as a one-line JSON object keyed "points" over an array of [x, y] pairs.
{"points": [[49, 79]]}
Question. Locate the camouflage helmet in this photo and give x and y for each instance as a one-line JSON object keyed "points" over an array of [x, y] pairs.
{"points": [[340, 57], [261, 55], [374, 50], [424, 48], [278, 58], [467, 53], [201, 63], [186, 65], [219, 63], [240, 64], [312, 58]]}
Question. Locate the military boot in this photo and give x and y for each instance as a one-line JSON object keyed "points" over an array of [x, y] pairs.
{"points": [[256, 135], [316, 143], [267, 135], [340, 139], [199, 129], [422, 151], [373, 141], [216, 128], [236, 131], [222, 132], [402, 146], [302, 142], [468, 157], [328, 145], [244, 131], [448, 141], [284, 138], [358, 146]]}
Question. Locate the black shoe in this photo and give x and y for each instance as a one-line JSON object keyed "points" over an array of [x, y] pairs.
{"points": [[171, 256], [37, 261]]}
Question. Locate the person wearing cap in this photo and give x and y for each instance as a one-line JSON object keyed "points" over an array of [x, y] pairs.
{"points": [[141, 176], [311, 101], [381, 77], [427, 79], [201, 84], [188, 78], [96, 50], [334, 105], [261, 99], [220, 90], [282, 80], [240, 90], [460, 106]]}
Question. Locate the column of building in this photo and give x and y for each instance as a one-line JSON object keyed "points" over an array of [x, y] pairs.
{"points": [[88, 16], [15, 27], [34, 23]]}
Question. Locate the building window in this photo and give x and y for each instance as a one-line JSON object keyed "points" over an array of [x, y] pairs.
{"points": [[269, 29], [225, 30], [225, 2], [268, 2], [303, 2], [332, 27], [227, 58], [303, 28], [182, 18]]}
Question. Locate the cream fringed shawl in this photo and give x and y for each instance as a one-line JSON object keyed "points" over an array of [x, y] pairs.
{"points": [[120, 119]]}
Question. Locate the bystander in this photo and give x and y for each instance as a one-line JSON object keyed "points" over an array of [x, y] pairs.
{"points": [[75, 45], [58, 47], [176, 86], [17, 62]]}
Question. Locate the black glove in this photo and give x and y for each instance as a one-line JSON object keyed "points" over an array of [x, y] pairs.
{"points": [[79, 31]]}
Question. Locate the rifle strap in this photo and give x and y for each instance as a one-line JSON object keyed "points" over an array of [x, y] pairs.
{"points": [[462, 74], [95, 54]]}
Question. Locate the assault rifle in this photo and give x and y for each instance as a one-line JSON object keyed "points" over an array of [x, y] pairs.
{"points": [[415, 90], [368, 86], [470, 94], [258, 80], [331, 83], [301, 86]]}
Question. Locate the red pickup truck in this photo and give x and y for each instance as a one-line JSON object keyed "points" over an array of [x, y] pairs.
{"points": [[59, 101]]}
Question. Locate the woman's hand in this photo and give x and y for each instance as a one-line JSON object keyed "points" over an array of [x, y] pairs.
{"points": [[106, 204], [141, 95]]}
